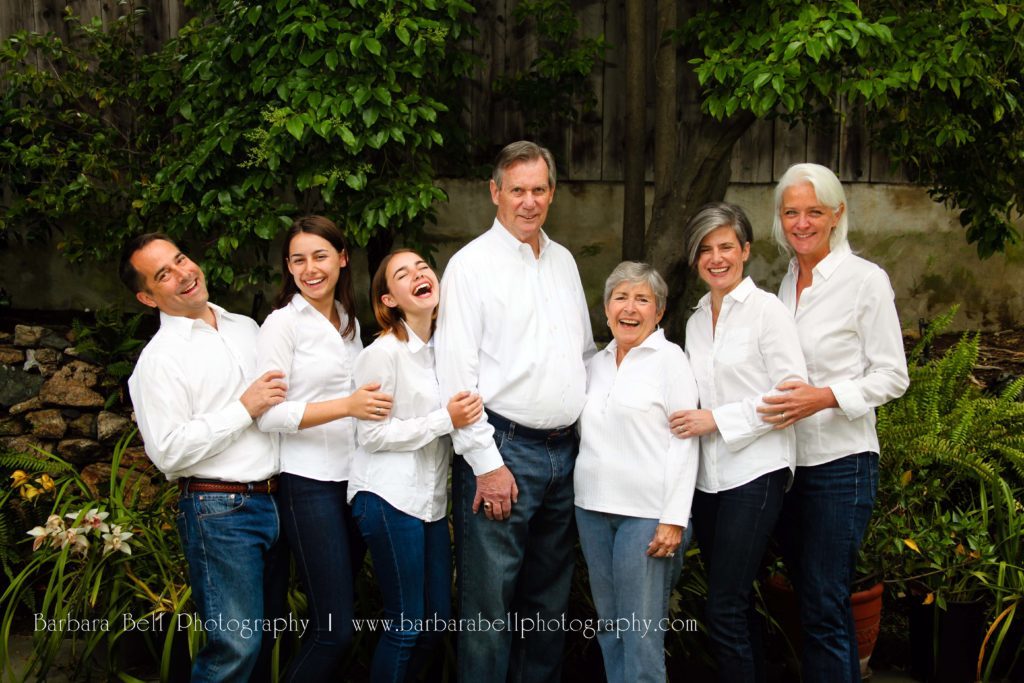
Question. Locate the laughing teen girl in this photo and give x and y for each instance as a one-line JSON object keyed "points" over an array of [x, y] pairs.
{"points": [[399, 479]]}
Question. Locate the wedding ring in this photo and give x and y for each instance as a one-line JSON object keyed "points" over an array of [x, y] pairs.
{"points": [[379, 411], [487, 506], [783, 415], [670, 555]]}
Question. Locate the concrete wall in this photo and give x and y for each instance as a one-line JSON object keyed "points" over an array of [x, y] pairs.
{"points": [[918, 242]]}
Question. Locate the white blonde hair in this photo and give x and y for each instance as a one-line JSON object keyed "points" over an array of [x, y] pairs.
{"points": [[827, 189]]}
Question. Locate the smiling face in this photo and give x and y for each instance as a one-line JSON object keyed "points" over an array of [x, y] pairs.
{"points": [[171, 281], [523, 200], [632, 312], [315, 265], [807, 223], [720, 260], [412, 285]]}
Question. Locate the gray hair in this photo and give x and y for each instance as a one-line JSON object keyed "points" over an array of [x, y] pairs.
{"points": [[638, 273], [518, 152], [827, 189], [711, 217]]}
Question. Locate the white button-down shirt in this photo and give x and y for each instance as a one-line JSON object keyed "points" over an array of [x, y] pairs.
{"points": [[185, 390], [629, 462], [515, 329], [754, 348], [405, 458], [317, 361], [852, 341]]}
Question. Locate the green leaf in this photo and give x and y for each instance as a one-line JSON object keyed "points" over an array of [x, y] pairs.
{"points": [[373, 45], [331, 59], [295, 126]]}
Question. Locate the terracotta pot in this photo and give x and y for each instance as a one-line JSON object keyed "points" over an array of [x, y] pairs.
{"points": [[867, 617]]}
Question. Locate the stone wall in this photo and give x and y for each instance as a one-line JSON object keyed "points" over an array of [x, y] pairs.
{"points": [[55, 401]]}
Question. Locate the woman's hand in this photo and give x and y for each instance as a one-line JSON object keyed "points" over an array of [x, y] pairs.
{"points": [[688, 423], [665, 543], [798, 401], [368, 403], [465, 408]]}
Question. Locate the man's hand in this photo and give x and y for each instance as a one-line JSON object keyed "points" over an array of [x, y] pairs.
{"points": [[497, 491], [264, 393]]}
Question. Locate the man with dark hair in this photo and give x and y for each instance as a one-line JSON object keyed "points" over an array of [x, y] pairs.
{"points": [[195, 403], [514, 327]]}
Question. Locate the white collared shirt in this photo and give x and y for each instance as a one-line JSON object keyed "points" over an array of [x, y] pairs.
{"points": [[629, 462], [405, 458], [753, 349], [317, 361], [852, 341], [515, 329], [186, 389]]}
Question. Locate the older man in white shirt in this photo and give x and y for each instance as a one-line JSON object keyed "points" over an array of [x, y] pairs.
{"points": [[196, 403], [514, 327]]}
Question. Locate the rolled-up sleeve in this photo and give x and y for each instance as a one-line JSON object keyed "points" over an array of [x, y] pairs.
{"points": [[457, 348], [175, 438], [376, 364], [885, 373], [275, 350]]}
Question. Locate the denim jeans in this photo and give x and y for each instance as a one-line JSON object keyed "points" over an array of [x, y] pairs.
{"points": [[631, 592], [328, 552], [521, 566], [234, 563], [823, 519], [412, 560], [733, 528]]}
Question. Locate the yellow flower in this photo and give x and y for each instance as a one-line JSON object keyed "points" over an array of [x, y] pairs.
{"points": [[28, 491], [19, 478], [46, 481]]}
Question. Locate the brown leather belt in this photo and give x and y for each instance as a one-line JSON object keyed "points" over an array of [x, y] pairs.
{"points": [[187, 484]]}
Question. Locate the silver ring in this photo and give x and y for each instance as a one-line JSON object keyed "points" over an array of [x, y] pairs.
{"points": [[487, 506], [670, 555], [783, 415], [379, 411]]}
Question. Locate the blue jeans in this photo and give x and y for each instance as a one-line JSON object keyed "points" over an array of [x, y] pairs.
{"points": [[823, 520], [327, 549], [631, 592], [521, 566], [234, 563], [733, 528], [412, 560]]}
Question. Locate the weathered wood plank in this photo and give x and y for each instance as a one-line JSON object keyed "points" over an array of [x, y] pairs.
{"points": [[790, 147], [854, 152], [752, 155], [585, 141], [613, 121]]}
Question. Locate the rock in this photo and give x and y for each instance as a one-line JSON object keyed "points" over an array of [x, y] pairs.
{"points": [[6, 338], [11, 356], [80, 451], [11, 426], [83, 425], [28, 335], [136, 456], [110, 426], [47, 424], [25, 445], [16, 385], [52, 341], [32, 404], [96, 475], [71, 386], [47, 355]]}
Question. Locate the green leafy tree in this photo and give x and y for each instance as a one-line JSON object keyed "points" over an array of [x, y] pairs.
{"points": [[939, 82]]}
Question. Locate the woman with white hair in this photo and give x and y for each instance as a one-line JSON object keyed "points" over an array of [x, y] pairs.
{"points": [[851, 338], [633, 481], [741, 342]]}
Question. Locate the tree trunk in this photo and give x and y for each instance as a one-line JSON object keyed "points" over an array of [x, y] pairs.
{"points": [[636, 131], [666, 108], [701, 175]]}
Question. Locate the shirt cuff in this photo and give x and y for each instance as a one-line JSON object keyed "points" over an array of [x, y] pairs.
{"points": [[440, 422], [485, 460], [850, 399], [237, 416]]}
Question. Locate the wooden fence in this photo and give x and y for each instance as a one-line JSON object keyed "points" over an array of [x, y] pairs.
{"points": [[590, 150]]}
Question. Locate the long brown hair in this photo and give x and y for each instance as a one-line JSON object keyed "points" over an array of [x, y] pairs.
{"points": [[390, 318], [343, 292]]}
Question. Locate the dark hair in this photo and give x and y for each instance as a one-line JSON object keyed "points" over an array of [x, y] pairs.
{"points": [[711, 217], [129, 276], [343, 292], [390, 318], [519, 152]]}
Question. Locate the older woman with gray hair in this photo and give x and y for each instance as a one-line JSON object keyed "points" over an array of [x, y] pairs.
{"points": [[634, 482], [850, 334], [741, 342]]}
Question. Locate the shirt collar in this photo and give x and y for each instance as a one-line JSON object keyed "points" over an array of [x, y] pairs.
{"points": [[300, 304], [182, 326], [828, 265], [510, 242], [414, 342], [739, 293], [655, 340]]}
